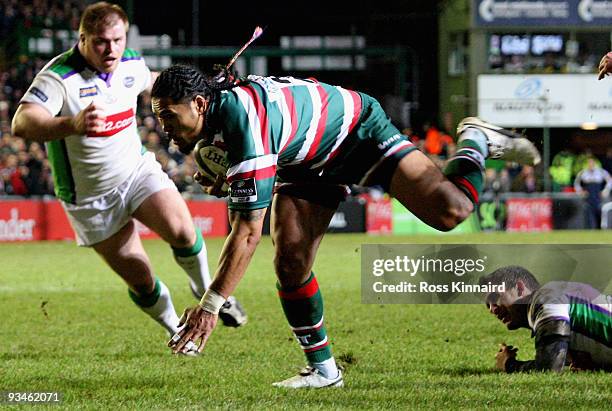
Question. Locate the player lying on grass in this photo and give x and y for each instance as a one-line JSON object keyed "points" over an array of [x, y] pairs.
{"points": [[294, 145], [571, 322]]}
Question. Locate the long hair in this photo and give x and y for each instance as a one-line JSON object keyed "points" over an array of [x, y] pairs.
{"points": [[182, 83]]}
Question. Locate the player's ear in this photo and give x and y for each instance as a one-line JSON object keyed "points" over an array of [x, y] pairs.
{"points": [[201, 104]]}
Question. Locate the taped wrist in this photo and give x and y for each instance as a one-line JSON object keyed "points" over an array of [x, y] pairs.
{"points": [[212, 301]]}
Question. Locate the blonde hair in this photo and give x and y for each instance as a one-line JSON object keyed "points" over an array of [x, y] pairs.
{"points": [[99, 15]]}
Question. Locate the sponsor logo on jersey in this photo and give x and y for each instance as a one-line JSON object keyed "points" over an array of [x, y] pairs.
{"points": [[115, 123], [88, 91], [128, 81], [38, 93], [110, 99], [385, 144], [243, 191]]}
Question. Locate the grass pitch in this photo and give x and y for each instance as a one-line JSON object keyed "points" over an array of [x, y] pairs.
{"points": [[68, 325]]}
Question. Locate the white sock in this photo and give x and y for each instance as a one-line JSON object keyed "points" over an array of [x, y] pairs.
{"points": [[196, 267], [163, 310], [478, 137], [327, 368], [194, 261]]}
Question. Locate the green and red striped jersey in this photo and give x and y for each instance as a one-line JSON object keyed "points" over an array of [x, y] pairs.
{"points": [[274, 123]]}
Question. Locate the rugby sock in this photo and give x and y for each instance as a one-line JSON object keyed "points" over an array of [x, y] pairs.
{"points": [[477, 137], [303, 307], [466, 167], [158, 305], [194, 261]]}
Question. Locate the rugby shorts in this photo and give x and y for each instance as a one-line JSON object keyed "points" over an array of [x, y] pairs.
{"points": [[101, 217]]}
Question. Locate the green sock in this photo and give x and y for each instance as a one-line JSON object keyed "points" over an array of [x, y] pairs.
{"points": [[147, 300], [466, 169], [303, 307]]}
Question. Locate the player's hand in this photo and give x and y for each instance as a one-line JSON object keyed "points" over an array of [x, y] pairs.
{"points": [[605, 65], [198, 326], [213, 188], [580, 361], [90, 120], [505, 353]]}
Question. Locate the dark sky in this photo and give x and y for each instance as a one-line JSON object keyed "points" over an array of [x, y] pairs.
{"points": [[409, 23], [223, 21]]}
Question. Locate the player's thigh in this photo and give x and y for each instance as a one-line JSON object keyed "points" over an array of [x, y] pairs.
{"points": [[124, 253], [297, 227], [421, 187], [166, 213], [153, 199]]}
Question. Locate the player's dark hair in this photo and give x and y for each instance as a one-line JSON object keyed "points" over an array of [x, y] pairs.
{"points": [[182, 82], [511, 275]]}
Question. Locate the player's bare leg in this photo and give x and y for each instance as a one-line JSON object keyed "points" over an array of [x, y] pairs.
{"points": [[166, 213], [124, 253], [422, 188], [296, 242], [444, 199]]}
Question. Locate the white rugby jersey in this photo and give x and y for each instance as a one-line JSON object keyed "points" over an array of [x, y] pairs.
{"points": [[588, 312], [88, 166]]}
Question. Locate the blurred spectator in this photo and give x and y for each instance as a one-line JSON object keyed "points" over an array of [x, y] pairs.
{"points": [[12, 176], [550, 65], [497, 181], [561, 170], [582, 160], [153, 141], [515, 64], [437, 142], [525, 181], [584, 63], [606, 163], [594, 183]]}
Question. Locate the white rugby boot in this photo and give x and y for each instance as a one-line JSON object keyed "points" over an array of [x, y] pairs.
{"points": [[503, 144], [310, 377], [232, 314]]}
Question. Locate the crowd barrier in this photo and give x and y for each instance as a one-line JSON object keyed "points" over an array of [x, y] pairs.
{"points": [[532, 212], [44, 219]]}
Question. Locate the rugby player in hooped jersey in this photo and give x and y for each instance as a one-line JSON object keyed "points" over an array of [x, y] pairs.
{"points": [[571, 322], [293, 145], [82, 105]]}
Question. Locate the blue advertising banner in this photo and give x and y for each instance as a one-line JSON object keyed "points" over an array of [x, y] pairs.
{"points": [[542, 13]]}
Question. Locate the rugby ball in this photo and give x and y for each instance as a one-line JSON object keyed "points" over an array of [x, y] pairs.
{"points": [[211, 161]]}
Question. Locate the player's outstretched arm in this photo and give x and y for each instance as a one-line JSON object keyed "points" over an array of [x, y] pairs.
{"points": [[34, 122], [236, 255], [550, 356]]}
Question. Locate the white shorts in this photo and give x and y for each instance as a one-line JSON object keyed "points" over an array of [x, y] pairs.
{"points": [[99, 218]]}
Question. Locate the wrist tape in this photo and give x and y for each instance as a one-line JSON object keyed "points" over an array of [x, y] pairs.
{"points": [[212, 301]]}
